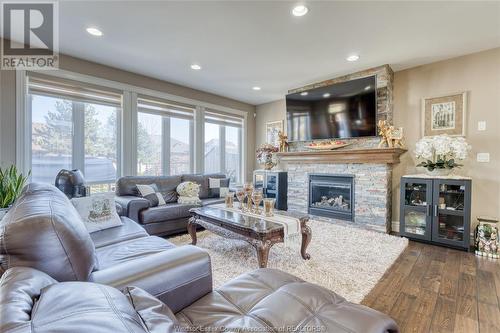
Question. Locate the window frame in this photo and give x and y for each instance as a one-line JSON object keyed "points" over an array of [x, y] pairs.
{"points": [[128, 121], [222, 145], [78, 136], [166, 140]]}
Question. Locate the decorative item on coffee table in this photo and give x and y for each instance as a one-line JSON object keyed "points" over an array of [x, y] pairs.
{"points": [[257, 198], [248, 188], [240, 195], [441, 153]]}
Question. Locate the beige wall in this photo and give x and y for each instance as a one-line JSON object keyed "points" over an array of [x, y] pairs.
{"points": [[479, 74], [266, 113], [7, 102]]}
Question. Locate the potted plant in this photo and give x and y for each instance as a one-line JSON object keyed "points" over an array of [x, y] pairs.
{"points": [[265, 155], [441, 153], [11, 184]]}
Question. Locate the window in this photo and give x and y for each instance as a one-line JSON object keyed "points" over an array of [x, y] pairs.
{"points": [[74, 127], [164, 137], [212, 148], [223, 144]]}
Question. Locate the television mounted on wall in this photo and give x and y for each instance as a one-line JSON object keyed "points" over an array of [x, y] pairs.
{"points": [[338, 111]]}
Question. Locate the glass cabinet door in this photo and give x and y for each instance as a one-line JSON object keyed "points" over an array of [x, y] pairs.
{"points": [[258, 180], [416, 201], [450, 212]]}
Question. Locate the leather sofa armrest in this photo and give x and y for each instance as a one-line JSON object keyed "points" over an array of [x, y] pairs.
{"points": [[131, 206], [178, 277]]}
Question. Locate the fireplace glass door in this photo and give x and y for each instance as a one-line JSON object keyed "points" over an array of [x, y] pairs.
{"points": [[332, 196]]}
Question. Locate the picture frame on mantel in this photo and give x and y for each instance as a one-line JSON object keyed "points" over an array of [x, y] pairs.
{"points": [[272, 130], [445, 114]]}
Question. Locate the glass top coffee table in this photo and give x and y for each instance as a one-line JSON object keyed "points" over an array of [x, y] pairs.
{"points": [[260, 232]]}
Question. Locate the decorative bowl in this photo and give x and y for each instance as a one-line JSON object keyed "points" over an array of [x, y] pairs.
{"points": [[327, 145]]}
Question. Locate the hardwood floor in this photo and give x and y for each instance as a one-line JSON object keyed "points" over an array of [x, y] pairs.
{"points": [[435, 289]]}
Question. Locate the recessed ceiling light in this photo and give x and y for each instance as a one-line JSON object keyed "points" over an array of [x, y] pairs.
{"points": [[326, 95], [368, 87], [300, 10], [256, 88], [353, 57], [94, 31], [305, 93], [196, 67]]}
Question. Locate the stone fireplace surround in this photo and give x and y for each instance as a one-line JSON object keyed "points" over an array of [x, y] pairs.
{"points": [[371, 167], [372, 190]]}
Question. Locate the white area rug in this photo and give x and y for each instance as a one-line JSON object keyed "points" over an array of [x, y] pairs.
{"points": [[347, 260]]}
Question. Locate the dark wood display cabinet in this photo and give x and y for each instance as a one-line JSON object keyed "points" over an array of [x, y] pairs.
{"points": [[436, 210], [274, 184]]}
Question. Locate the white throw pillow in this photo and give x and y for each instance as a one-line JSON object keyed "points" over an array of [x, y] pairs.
{"points": [[146, 190], [98, 212]]}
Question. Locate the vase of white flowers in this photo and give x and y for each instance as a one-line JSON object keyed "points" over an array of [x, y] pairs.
{"points": [[441, 153]]}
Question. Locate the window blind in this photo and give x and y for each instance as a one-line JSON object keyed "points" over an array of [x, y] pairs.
{"points": [[46, 85], [222, 118], [165, 108]]}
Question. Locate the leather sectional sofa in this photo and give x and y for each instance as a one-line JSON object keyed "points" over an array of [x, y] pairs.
{"points": [[59, 278], [162, 220]]}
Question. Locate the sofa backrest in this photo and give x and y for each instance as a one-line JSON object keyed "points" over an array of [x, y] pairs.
{"points": [[167, 185], [43, 230]]}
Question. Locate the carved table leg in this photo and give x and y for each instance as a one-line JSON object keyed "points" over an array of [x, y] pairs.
{"points": [[306, 239], [262, 252], [191, 226]]}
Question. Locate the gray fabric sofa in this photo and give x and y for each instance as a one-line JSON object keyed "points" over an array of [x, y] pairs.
{"points": [[162, 220]]}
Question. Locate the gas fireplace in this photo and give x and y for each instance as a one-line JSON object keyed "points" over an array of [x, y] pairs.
{"points": [[332, 196]]}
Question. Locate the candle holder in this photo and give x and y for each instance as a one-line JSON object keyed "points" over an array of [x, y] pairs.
{"points": [[257, 198], [229, 199], [240, 195], [269, 206], [248, 188]]}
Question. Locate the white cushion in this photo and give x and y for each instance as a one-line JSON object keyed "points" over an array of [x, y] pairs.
{"points": [[98, 212]]}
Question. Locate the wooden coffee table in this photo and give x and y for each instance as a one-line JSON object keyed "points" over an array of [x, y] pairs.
{"points": [[262, 234]]}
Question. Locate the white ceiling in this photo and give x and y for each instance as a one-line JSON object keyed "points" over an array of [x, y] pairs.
{"points": [[241, 44]]}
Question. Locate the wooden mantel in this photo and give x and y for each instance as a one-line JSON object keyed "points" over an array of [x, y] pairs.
{"points": [[370, 155]]}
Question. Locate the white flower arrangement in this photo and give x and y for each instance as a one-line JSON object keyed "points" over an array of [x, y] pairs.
{"points": [[441, 151]]}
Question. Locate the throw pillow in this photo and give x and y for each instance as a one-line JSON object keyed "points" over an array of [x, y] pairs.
{"points": [[151, 193], [98, 212], [215, 185], [189, 193]]}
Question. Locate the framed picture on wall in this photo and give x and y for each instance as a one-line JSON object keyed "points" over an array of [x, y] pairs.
{"points": [[444, 115], [272, 130]]}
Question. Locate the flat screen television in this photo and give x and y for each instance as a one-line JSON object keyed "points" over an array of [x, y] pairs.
{"points": [[338, 111]]}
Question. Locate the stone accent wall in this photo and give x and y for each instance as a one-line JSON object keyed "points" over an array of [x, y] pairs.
{"points": [[384, 77], [372, 190]]}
